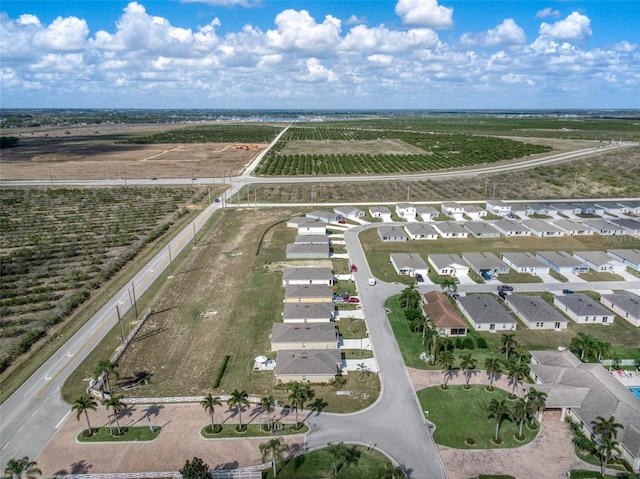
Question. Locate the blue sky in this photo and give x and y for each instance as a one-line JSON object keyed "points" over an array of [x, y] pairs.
{"points": [[427, 54]]}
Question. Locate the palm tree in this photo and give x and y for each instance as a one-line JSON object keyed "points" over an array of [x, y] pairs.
{"points": [[339, 453], [607, 427], [602, 348], [521, 411], [508, 343], [107, 368], [450, 284], [498, 410], [517, 371], [467, 363], [21, 469], [299, 392], [538, 401], [606, 449], [364, 371], [581, 345], [115, 403], [493, 367], [421, 323], [410, 297], [446, 361], [208, 404], [83, 404], [275, 448], [237, 400], [266, 403], [434, 344]]}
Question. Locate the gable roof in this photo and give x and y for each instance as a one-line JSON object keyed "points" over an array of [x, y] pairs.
{"points": [[303, 274], [438, 308], [582, 305], [303, 332], [541, 226], [626, 301], [382, 210], [308, 291], [485, 309], [308, 311], [391, 232], [535, 309], [308, 361], [420, 229], [523, 259], [449, 227], [444, 260], [481, 228], [408, 260]]}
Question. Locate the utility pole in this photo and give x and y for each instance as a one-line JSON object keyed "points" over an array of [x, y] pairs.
{"points": [[170, 260], [195, 238], [120, 322], [135, 301]]}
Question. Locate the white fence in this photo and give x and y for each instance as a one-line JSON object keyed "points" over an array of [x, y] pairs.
{"points": [[620, 362], [125, 475]]}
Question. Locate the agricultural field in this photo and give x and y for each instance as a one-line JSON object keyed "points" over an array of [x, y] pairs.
{"points": [[59, 246]]}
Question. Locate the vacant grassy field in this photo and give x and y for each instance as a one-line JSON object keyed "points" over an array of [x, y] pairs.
{"points": [[460, 415]]}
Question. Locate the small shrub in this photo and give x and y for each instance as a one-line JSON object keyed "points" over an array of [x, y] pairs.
{"points": [[223, 366]]}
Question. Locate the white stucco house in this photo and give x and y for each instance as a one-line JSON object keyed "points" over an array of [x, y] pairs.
{"points": [[392, 233], [421, 231], [426, 212], [625, 304], [406, 211], [600, 261], [499, 208], [348, 212], [572, 227], [381, 212], [630, 257], [535, 312], [562, 262], [524, 262], [450, 229], [409, 264], [452, 209], [543, 229], [448, 265], [511, 228], [582, 309], [485, 313]]}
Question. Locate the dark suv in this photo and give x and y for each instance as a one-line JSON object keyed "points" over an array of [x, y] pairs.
{"points": [[505, 287]]}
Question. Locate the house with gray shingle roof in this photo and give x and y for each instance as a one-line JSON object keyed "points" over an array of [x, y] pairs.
{"points": [[572, 227], [452, 209], [582, 309], [448, 264], [481, 229], [485, 313], [511, 228], [600, 261], [307, 251], [304, 336], [631, 206], [308, 293], [312, 239], [450, 229], [391, 233], [524, 262], [603, 227], [535, 312], [291, 275], [312, 228], [421, 231], [586, 391], [562, 262], [587, 208], [308, 365], [485, 262], [631, 227], [308, 312], [564, 208], [497, 207], [543, 229], [324, 216], [475, 212], [625, 304], [612, 208], [409, 264], [406, 211], [348, 212], [381, 212], [630, 257], [426, 213]]}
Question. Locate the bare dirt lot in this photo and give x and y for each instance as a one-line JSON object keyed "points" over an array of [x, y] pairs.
{"points": [[92, 153]]}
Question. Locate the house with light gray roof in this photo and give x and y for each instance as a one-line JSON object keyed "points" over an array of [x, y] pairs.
{"points": [[485, 313], [348, 212], [421, 231], [450, 229], [524, 262], [572, 227], [475, 212], [612, 208], [600, 261], [562, 262], [543, 229], [308, 365], [603, 227], [566, 209], [307, 251], [586, 391], [511, 228], [381, 212], [485, 262], [499, 208], [392, 233], [409, 264], [625, 304], [324, 216], [303, 336], [535, 312], [630, 257], [582, 309], [449, 265], [631, 227], [312, 275], [631, 206], [426, 213], [312, 239], [587, 208], [308, 293], [308, 312], [482, 229]]}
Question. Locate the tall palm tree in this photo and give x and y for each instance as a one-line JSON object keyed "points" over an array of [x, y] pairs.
{"points": [[421, 323], [21, 469], [467, 363], [449, 284], [493, 367], [538, 401], [338, 453], [298, 394], [508, 343], [109, 369], [581, 345], [410, 297], [602, 348], [208, 404], [499, 411], [607, 447], [275, 448], [607, 427], [446, 361], [83, 404], [266, 403], [517, 371], [237, 400], [115, 403], [521, 411]]}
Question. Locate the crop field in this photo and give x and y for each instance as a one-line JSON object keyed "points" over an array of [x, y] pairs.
{"points": [[243, 133], [437, 151], [58, 246]]}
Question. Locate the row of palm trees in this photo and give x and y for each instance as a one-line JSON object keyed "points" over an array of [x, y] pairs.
{"points": [[523, 409], [86, 403], [589, 348]]}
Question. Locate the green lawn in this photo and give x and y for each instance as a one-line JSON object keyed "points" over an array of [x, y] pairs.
{"points": [[319, 464], [459, 415], [129, 434]]}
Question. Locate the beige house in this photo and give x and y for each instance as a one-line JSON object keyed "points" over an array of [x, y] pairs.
{"points": [[308, 365], [308, 293], [303, 336]]}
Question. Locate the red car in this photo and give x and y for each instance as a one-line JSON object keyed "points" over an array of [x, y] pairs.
{"points": [[354, 268], [341, 221], [352, 300]]}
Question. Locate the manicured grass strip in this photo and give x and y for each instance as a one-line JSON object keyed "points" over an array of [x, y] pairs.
{"points": [[129, 434], [318, 464], [410, 343], [460, 415], [252, 430], [583, 474]]}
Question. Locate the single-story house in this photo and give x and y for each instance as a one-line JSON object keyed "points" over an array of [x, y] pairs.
{"points": [[564, 208], [631, 227], [308, 312], [312, 239], [324, 216], [427, 213], [448, 265], [482, 229], [307, 251], [485, 262], [452, 209], [630, 257], [511, 228], [524, 262], [406, 211], [600, 261], [304, 336], [497, 207], [409, 264], [485, 313], [612, 208], [381, 212], [582, 309], [308, 365], [308, 293], [443, 315], [586, 391], [632, 207], [475, 212], [535, 312], [298, 220], [421, 231], [450, 229], [542, 229], [624, 304], [521, 209], [314, 275], [391, 233], [348, 212], [312, 228], [539, 208], [572, 227], [603, 227], [587, 208], [562, 262]]}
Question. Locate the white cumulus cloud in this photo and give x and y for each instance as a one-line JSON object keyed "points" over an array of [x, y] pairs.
{"points": [[424, 13], [316, 72], [548, 12], [575, 27], [507, 33], [297, 30]]}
